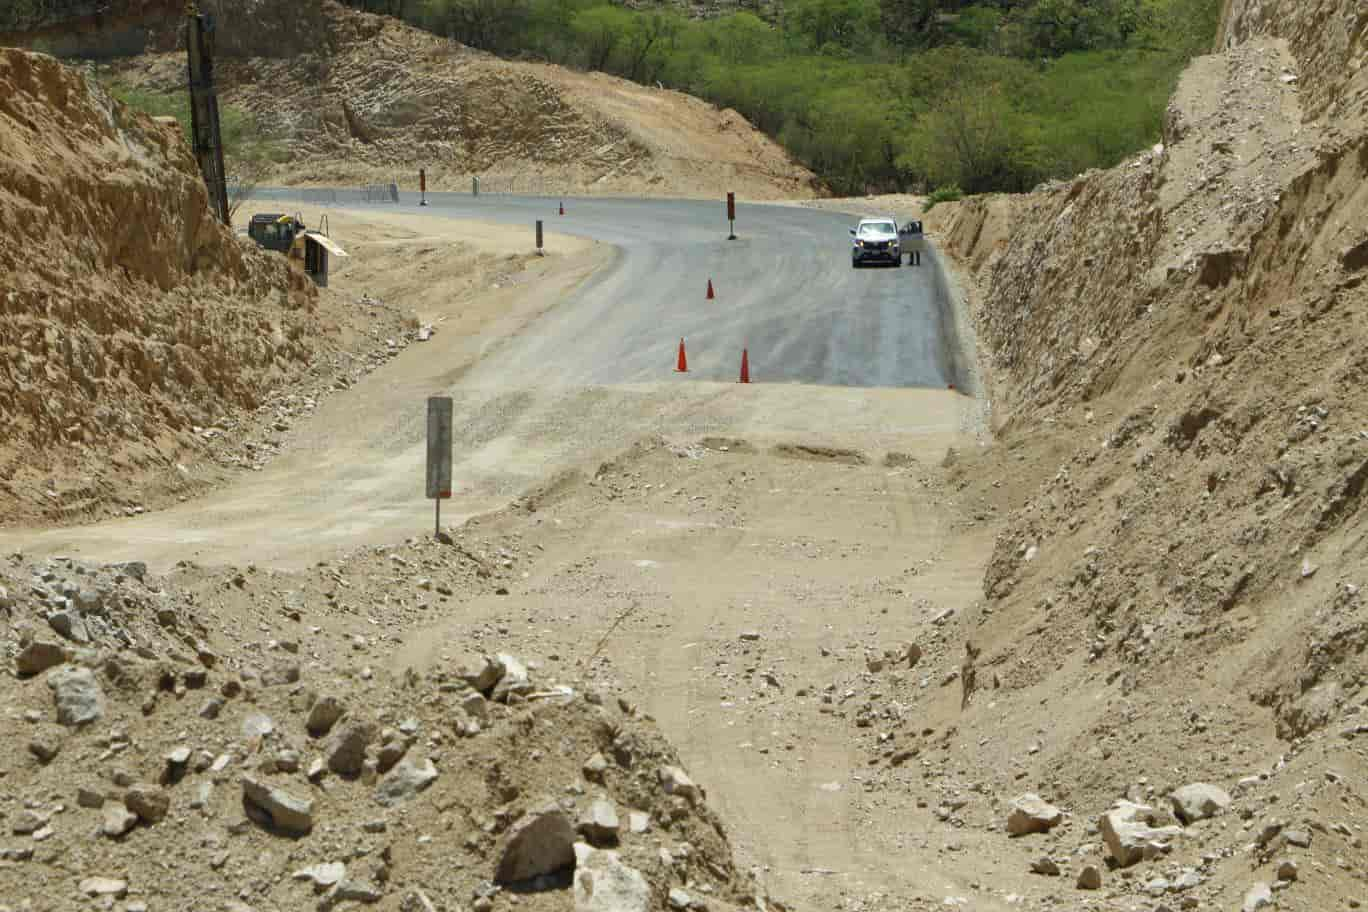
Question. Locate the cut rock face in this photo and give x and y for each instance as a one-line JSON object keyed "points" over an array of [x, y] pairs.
{"points": [[604, 884], [1129, 836], [540, 842]]}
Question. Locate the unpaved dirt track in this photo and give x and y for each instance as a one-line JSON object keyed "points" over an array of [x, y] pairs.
{"points": [[590, 372]]}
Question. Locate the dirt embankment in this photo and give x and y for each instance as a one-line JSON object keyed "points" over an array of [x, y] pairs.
{"points": [[1187, 321], [129, 317], [358, 98]]}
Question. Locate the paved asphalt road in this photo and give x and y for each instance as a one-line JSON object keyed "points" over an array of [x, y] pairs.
{"points": [[785, 290]]}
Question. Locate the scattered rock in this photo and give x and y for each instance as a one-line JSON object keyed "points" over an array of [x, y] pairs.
{"points": [[1287, 870], [77, 695], [1259, 896], [1198, 801], [1090, 878], [44, 747], [347, 751], [514, 680], [481, 672], [354, 891], [1129, 836], [599, 822], [1045, 865], [676, 782], [282, 810], [104, 886], [404, 781], [323, 715], [257, 725], [69, 624], [118, 820], [604, 884], [38, 656], [679, 899], [149, 802], [595, 767], [1032, 814], [540, 842], [391, 753], [323, 875]]}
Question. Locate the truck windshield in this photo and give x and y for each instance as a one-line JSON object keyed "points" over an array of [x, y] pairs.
{"points": [[878, 228]]}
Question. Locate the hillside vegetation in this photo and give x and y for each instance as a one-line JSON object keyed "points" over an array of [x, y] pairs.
{"points": [[883, 94]]}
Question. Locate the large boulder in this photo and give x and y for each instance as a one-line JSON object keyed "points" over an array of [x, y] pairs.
{"points": [[1198, 801], [77, 695], [540, 842], [604, 884], [1129, 835], [1032, 814]]}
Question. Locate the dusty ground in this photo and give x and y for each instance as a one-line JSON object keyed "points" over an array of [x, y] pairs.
{"points": [[1149, 577]]}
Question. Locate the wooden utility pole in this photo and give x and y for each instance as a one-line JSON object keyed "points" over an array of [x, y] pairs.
{"points": [[204, 115]]}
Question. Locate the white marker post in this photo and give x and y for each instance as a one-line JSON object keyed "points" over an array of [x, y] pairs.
{"points": [[439, 415]]}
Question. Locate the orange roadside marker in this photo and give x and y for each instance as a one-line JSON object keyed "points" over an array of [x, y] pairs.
{"points": [[745, 366], [682, 366], [710, 290]]}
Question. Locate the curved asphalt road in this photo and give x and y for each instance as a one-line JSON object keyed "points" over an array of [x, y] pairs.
{"points": [[785, 291], [588, 378]]}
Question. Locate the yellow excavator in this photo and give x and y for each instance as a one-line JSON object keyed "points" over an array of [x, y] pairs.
{"points": [[305, 249]]}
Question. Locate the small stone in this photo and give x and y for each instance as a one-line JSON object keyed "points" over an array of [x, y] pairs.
{"points": [[1299, 838], [176, 763], [1090, 878], [476, 706], [595, 767], [750, 635], [404, 781], [212, 708], [1031, 814], [1198, 801], [540, 842], [77, 695], [638, 822], [323, 715], [1129, 835], [200, 799], [599, 822], [89, 798], [27, 823], [391, 753], [679, 899], [45, 747], [117, 820], [1045, 865], [104, 886], [281, 809], [346, 752], [355, 891], [257, 725], [1259, 896], [481, 672], [1287, 870], [515, 680], [602, 883], [38, 656], [69, 624], [676, 782], [323, 875], [149, 802]]}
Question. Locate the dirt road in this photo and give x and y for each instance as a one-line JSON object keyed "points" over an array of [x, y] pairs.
{"points": [[817, 517]]}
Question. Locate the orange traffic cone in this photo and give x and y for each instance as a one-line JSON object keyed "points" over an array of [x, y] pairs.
{"points": [[745, 366], [682, 367], [562, 207], [710, 291]]}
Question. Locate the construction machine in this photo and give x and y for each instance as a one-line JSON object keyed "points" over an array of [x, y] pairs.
{"points": [[306, 250]]}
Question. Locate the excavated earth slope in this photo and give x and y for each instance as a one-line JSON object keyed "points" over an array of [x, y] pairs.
{"points": [[129, 318], [1184, 589], [359, 98]]}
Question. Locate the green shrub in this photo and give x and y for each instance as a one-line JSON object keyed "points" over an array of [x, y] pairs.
{"points": [[950, 194]]}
